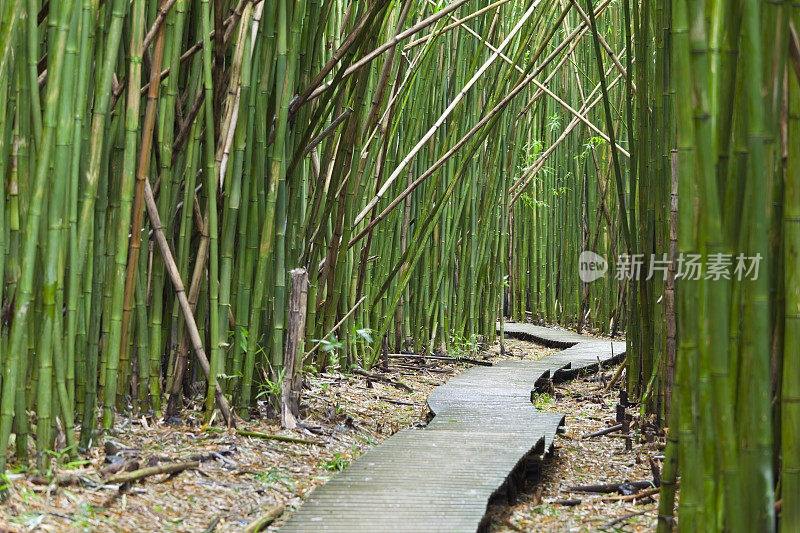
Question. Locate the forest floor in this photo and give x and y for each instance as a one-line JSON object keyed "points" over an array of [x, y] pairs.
{"points": [[241, 479], [579, 461]]}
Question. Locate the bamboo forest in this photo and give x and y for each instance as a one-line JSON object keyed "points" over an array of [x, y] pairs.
{"points": [[399, 265]]}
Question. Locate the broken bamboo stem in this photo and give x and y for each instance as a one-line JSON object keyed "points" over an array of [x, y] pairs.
{"points": [[293, 377]]}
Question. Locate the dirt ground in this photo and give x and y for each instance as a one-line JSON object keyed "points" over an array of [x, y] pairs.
{"points": [[240, 479]]}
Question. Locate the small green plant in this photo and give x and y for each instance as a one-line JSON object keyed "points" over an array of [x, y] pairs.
{"points": [[367, 440], [86, 515], [461, 346], [542, 399], [273, 477], [271, 388], [590, 144], [241, 337], [332, 345], [76, 464], [336, 464], [554, 122], [532, 202], [329, 343], [4, 487]]}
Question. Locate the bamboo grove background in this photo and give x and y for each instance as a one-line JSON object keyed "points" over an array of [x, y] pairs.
{"points": [[372, 143], [434, 166]]}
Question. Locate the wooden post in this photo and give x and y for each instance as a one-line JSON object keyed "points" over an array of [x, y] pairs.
{"points": [[293, 376]]}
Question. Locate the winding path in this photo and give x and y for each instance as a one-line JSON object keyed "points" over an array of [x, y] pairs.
{"points": [[485, 431]]}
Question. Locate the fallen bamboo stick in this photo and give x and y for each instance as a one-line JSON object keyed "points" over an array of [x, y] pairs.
{"points": [[267, 436], [617, 375], [623, 519], [602, 432], [382, 378], [257, 435], [567, 503], [439, 358], [172, 468], [61, 480], [631, 497], [264, 520], [609, 487]]}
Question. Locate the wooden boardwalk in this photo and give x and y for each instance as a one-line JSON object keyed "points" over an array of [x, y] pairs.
{"points": [[485, 431]]}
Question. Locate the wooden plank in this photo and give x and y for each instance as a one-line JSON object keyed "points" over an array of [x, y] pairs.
{"points": [[442, 477]]}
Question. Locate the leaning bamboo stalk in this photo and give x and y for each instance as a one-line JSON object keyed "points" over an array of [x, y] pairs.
{"points": [[156, 29], [316, 88], [180, 292], [443, 117], [457, 23], [328, 131], [490, 116], [543, 88], [230, 115]]}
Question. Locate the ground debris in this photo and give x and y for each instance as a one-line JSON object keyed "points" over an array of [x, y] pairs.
{"points": [[242, 476]]}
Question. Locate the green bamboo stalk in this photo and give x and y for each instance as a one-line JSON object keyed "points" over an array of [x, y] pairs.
{"points": [[790, 392], [755, 430], [38, 202], [117, 352]]}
